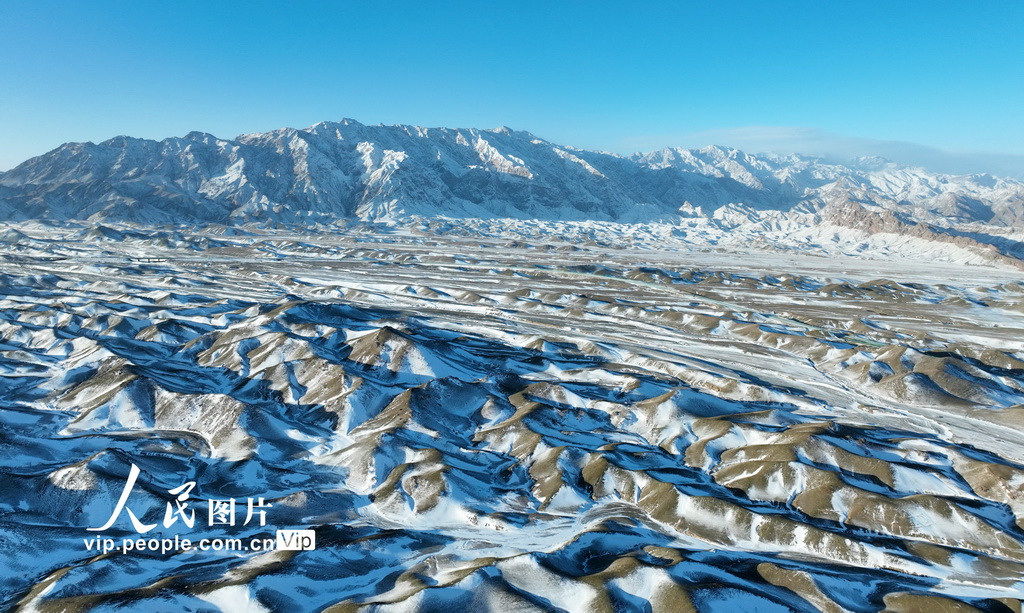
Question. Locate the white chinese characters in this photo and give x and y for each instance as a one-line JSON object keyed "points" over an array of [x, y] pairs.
{"points": [[219, 512]]}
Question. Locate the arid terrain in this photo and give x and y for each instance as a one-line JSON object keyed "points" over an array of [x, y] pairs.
{"points": [[508, 422]]}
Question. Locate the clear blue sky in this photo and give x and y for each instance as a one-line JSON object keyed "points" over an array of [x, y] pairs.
{"points": [[599, 75]]}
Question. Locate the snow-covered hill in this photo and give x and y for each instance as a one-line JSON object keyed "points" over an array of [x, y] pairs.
{"points": [[473, 423], [381, 173]]}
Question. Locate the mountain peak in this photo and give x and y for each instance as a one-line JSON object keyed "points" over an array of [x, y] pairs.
{"points": [[197, 136], [122, 141], [872, 162], [343, 122], [719, 150]]}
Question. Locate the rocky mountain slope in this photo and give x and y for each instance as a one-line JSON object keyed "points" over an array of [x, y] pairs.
{"points": [[345, 169]]}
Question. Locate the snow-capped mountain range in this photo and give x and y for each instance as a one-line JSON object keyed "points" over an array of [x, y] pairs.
{"points": [[336, 170]]}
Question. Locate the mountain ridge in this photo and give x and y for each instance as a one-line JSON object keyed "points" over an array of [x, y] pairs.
{"points": [[345, 169]]}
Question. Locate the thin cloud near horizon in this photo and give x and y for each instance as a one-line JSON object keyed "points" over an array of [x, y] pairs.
{"points": [[839, 148]]}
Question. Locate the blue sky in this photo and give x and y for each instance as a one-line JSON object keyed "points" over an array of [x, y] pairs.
{"points": [[939, 81]]}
